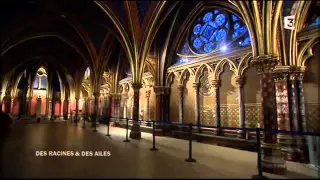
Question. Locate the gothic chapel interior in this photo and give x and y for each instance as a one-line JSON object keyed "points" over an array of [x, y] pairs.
{"points": [[210, 63]]}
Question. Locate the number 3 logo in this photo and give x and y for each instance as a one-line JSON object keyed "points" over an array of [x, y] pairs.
{"points": [[289, 22]]}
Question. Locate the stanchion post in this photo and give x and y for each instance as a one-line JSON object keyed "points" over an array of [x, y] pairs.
{"points": [[190, 159], [108, 127], [127, 127], [153, 138], [259, 175]]}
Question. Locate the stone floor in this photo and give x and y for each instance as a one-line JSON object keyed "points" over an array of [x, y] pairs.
{"points": [[128, 159]]}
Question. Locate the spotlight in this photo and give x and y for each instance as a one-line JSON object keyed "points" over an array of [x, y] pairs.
{"points": [[240, 42], [224, 48]]}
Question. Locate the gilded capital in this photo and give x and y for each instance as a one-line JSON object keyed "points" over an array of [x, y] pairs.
{"points": [[265, 63], [280, 76], [239, 81], [196, 86], [216, 83]]}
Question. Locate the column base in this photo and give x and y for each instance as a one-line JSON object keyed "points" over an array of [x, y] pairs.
{"points": [[135, 132], [272, 160]]}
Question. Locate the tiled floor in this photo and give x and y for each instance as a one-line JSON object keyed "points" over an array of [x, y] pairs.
{"points": [[128, 159]]}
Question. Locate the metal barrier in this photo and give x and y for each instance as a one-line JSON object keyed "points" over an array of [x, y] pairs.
{"points": [[191, 159]]}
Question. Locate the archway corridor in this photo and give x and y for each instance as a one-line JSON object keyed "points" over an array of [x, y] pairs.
{"points": [[228, 68]]}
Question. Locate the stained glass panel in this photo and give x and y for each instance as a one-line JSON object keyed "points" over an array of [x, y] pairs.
{"points": [[212, 31], [36, 82]]}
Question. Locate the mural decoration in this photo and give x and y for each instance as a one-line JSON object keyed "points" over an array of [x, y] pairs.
{"points": [[206, 87]]}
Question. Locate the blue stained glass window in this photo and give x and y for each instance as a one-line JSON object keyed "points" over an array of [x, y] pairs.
{"points": [[228, 25], [36, 82], [316, 22], [221, 35], [207, 17], [213, 29], [220, 19], [246, 41], [43, 82], [234, 17], [197, 43], [209, 47], [200, 51], [237, 25], [196, 29], [208, 32]]}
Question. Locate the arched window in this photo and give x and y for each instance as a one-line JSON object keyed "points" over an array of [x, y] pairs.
{"points": [[215, 29], [36, 82]]}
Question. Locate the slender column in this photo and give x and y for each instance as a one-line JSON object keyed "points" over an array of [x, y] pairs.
{"points": [[69, 111], [77, 110], [12, 104], [61, 108], [48, 108], [181, 102], [118, 105], [28, 105], [294, 115], [95, 109], [196, 103], [135, 129], [308, 145], [240, 83], [272, 159], [216, 84], [125, 99], [148, 92], [39, 105], [159, 93]]}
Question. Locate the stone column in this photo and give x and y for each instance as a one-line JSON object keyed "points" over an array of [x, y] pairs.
{"points": [[95, 110], [308, 145], [39, 103], [148, 92], [240, 83], [61, 108], [119, 105], [125, 99], [286, 141], [77, 110], [12, 104], [297, 113], [135, 129], [69, 111], [216, 85], [48, 108], [159, 93], [28, 106], [181, 102], [272, 159], [196, 87]]}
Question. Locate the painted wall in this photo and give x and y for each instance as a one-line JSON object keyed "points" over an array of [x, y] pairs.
{"points": [[229, 108], [189, 103], [311, 91], [252, 97], [174, 101]]}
